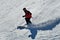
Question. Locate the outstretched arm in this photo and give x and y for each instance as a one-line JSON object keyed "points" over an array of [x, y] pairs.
{"points": [[23, 16]]}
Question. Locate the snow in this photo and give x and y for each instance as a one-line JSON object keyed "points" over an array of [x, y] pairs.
{"points": [[43, 11]]}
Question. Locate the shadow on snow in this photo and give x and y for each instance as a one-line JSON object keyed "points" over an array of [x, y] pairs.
{"points": [[49, 25]]}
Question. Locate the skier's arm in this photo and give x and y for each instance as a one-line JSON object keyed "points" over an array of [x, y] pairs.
{"points": [[23, 16]]}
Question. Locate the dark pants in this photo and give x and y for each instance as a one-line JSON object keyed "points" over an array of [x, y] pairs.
{"points": [[27, 20]]}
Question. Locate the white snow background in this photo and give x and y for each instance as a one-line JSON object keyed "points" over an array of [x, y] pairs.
{"points": [[42, 10]]}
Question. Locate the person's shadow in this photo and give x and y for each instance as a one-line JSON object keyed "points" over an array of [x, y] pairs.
{"points": [[49, 25]]}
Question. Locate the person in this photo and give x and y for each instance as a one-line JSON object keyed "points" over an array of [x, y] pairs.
{"points": [[28, 15]]}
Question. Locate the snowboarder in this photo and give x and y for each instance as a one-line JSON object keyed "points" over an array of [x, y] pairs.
{"points": [[28, 15]]}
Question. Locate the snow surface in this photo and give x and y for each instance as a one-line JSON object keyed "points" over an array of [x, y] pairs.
{"points": [[43, 10]]}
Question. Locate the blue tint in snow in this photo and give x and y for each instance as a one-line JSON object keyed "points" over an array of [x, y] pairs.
{"points": [[49, 25]]}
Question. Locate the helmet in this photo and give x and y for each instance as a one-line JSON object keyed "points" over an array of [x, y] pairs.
{"points": [[24, 8]]}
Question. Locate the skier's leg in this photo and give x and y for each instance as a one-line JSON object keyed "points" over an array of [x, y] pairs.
{"points": [[26, 20], [29, 21]]}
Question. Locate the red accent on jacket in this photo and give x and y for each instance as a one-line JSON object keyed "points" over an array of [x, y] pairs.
{"points": [[28, 14]]}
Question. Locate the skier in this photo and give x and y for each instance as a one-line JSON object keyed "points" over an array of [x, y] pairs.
{"points": [[28, 15]]}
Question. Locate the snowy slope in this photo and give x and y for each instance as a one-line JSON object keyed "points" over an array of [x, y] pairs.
{"points": [[11, 16]]}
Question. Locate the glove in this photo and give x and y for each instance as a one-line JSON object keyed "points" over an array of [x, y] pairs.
{"points": [[23, 16]]}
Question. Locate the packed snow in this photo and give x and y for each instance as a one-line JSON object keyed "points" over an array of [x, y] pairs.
{"points": [[46, 14]]}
